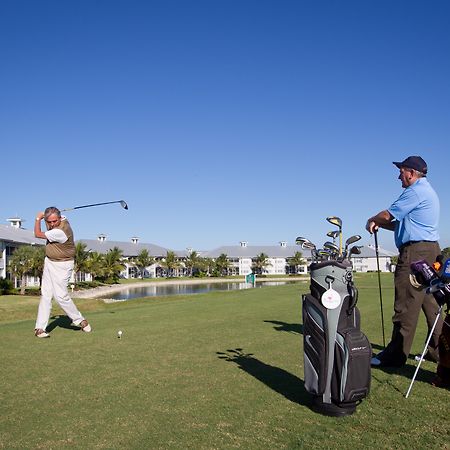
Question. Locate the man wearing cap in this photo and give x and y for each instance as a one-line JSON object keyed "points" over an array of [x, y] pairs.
{"points": [[414, 218], [58, 269]]}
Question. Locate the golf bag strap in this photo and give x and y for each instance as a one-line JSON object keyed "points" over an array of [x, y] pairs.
{"points": [[353, 292]]}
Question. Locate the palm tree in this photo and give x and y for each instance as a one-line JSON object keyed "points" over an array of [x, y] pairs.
{"points": [[143, 260], [207, 265], [170, 263], [222, 265], [113, 265], [37, 262], [193, 263], [446, 253], [81, 259], [296, 261], [260, 263], [94, 265], [21, 265]]}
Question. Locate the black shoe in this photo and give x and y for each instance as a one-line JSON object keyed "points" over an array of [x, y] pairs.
{"points": [[381, 360]]}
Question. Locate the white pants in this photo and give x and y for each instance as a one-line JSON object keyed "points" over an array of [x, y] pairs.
{"points": [[55, 279]]}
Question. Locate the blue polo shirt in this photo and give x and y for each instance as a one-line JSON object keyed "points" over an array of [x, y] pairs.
{"points": [[416, 212]]}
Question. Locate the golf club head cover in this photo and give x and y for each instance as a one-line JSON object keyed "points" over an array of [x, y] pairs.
{"points": [[427, 278]]}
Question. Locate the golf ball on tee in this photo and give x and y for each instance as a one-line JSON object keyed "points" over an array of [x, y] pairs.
{"points": [[119, 334]]}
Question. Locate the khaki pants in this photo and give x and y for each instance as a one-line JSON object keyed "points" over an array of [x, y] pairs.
{"points": [[55, 280], [409, 301]]}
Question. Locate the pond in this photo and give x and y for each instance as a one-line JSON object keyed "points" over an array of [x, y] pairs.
{"points": [[157, 290]]}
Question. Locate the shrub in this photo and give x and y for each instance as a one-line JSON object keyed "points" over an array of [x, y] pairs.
{"points": [[6, 286]]}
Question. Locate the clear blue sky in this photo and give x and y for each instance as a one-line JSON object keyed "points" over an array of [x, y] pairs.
{"points": [[221, 120]]}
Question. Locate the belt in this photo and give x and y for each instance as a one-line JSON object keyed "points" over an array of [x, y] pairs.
{"points": [[407, 244]]}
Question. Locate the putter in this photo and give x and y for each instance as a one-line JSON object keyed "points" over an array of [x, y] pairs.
{"points": [[338, 222], [424, 350], [375, 232], [122, 204]]}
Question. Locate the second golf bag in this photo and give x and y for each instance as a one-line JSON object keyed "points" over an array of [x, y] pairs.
{"points": [[336, 353]]}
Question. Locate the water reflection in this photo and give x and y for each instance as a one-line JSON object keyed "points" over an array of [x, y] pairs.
{"points": [[157, 290]]}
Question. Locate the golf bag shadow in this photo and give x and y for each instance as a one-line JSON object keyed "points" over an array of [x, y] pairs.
{"points": [[336, 353]]}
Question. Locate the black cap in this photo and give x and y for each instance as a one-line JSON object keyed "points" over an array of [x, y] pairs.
{"points": [[413, 162]]}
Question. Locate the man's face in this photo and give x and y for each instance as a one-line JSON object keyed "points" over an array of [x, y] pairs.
{"points": [[52, 221], [406, 177]]}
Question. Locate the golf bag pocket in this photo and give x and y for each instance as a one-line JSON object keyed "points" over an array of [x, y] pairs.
{"points": [[315, 353], [351, 372]]}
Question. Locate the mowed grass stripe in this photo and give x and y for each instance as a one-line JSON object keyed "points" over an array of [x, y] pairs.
{"points": [[219, 370]]}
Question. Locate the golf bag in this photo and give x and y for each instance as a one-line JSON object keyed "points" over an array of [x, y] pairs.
{"points": [[336, 353], [435, 279]]}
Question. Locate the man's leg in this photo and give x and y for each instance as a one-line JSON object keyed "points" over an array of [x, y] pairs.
{"points": [[61, 272], [407, 304], [45, 304], [416, 299], [431, 309]]}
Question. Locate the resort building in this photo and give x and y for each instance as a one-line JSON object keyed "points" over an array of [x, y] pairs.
{"points": [[241, 258]]}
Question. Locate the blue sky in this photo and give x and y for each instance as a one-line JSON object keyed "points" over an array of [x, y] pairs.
{"points": [[222, 120]]}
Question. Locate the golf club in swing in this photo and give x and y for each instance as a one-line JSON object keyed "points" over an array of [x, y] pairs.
{"points": [[375, 232], [123, 204]]}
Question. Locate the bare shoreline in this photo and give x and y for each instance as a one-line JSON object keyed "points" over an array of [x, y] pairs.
{"points": [[105, 290]]}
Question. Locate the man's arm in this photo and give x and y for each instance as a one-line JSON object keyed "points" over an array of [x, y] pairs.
{"points": [[384, 219], [37, 226]]}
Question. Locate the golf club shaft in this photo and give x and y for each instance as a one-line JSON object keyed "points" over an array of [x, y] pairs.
{"points": [[379, 285], [89, 206], [424, 350]]}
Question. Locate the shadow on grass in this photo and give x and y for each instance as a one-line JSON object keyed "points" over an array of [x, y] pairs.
{"points": [[296, 328], [281, 381], [61, 322]]}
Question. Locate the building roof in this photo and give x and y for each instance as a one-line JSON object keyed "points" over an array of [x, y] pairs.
{"points": [[19, 235], [12, 234], [369, 252], [128, 248], [250, 251]]}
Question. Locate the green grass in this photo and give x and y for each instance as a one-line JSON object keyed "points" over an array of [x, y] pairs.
{"points": [[211, 371]]}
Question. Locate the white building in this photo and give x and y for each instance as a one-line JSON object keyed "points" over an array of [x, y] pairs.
{"points": [[241, 257], [11, 237], [367, 260]]}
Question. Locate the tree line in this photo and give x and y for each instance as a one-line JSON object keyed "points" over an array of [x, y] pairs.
{"points": [[106, 267]]}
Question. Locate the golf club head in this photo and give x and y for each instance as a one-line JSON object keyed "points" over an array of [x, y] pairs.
{"points": [[123, 204], [352, 239], [335, 221], [331, 246], [355, 250], [300, 240], [333, 234], [308, 245]]}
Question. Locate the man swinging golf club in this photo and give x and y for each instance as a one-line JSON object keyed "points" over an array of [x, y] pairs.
{"points": [[58, 269], [414, 218]]}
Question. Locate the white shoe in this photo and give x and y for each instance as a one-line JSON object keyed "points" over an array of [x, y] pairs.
{"points": [[41, 333], [374, 362], [84, 325]]}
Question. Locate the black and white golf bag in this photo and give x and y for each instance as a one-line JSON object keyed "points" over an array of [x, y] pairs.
{"points": [[336, 352]]}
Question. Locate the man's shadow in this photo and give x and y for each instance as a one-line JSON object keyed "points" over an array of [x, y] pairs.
{"points": [[281, 381], [296, 328], [61, 322]]}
